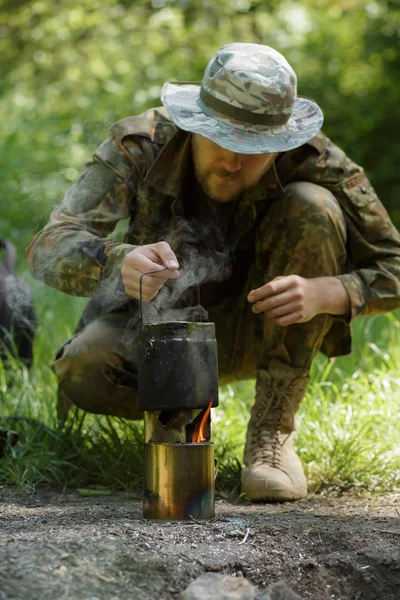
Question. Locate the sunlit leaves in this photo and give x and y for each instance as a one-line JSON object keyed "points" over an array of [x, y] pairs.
{"points": [[82, 65]]}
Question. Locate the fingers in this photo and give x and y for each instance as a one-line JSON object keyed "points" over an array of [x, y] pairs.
{"points": [[272, 304], [153, 257], [150, 288], [146, 258], [282, 300], [281, 310], [285, 314], [166, 255], [290, 319], [277, 285], [160, 253]]}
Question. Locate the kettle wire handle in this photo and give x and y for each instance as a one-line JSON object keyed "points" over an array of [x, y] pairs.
{"points": [[141, 295]]}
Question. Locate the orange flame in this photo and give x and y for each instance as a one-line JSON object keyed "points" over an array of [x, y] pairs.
{"points": [[198, 436]]}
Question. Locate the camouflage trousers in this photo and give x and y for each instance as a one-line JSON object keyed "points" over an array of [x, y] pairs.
{"points": [[303, 233]]}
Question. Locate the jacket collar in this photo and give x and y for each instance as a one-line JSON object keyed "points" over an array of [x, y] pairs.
{"points": [[167, 172]]}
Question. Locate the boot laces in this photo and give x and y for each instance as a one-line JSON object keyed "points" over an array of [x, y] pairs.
{"points": [[266, 448], [266, 440]]}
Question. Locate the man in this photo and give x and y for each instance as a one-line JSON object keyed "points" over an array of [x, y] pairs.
{"points": [[234, 184]]}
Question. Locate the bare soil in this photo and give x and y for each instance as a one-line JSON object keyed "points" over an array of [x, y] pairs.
{"points": [[62, 546]]}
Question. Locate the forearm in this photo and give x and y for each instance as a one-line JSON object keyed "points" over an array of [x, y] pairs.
{"points": [[74, 261], [73, 253]]}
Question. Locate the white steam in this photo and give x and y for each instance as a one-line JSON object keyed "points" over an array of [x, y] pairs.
{"points": [[202, 258]]}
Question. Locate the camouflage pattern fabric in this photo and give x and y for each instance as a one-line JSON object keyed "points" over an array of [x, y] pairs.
{"points": [[97, 368], [247, 102], [137, 173], [325, 220]]}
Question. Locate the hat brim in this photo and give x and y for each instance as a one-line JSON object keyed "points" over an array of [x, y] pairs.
{"points": [[190, 114]]}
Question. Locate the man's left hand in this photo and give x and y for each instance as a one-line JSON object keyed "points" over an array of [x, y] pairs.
{"points": [[295, 299]]}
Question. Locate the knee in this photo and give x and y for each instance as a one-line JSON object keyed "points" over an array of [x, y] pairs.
{"points": [[97, 371], [311, 202], [90, 368], [304, 233], [77, 365]]}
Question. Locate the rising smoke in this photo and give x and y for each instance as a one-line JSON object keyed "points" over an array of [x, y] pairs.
{"points": [[204, 257]]}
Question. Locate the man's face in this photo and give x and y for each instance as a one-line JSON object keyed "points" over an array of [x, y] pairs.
{"points": [[225, 175]]}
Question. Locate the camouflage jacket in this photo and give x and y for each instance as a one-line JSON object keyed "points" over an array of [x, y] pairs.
{"points": [[137, 174]]}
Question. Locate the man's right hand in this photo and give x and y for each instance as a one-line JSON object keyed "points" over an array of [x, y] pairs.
{"points": [[152, 257]]}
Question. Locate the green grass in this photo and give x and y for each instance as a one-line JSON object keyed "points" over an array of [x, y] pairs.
{"points": [[347, 429]]}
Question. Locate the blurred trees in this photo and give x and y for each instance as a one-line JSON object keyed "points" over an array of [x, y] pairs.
{"points": [[69, 69]]}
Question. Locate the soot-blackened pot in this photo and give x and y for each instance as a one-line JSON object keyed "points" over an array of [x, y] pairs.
{"points": [[177, 365]]}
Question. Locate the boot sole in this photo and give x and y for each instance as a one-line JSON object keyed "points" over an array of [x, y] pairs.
{"points": [[276, 495]]}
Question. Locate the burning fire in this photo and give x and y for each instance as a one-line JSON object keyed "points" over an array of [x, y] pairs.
{"points": [[198, 436]]}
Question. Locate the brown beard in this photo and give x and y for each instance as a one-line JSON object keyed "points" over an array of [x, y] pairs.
{"points": [[202, 179]]}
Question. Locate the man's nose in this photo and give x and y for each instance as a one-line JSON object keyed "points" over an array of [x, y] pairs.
{"points": [[232, 161]]}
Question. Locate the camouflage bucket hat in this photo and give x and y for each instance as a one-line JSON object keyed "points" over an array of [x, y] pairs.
{"points": [[246, 103]]}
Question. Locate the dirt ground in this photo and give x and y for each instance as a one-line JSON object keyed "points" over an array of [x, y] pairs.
{"points": [[63, 546]]}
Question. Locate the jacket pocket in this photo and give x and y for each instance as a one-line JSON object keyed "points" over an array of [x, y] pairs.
{"points": [[363, 208], [358, 190]]}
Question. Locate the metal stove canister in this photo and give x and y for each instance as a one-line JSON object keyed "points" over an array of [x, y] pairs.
{"points": [[177, 382], [179, 481]]}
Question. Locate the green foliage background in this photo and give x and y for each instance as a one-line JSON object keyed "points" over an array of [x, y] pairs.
{"points": [[71, 68]]}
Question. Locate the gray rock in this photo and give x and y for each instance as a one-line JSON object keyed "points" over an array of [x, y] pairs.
{"points": [[214, 586], [278, 591]]}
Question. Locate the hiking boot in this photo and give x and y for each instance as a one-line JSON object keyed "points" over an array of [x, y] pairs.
{"points": [[273, 470]]}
